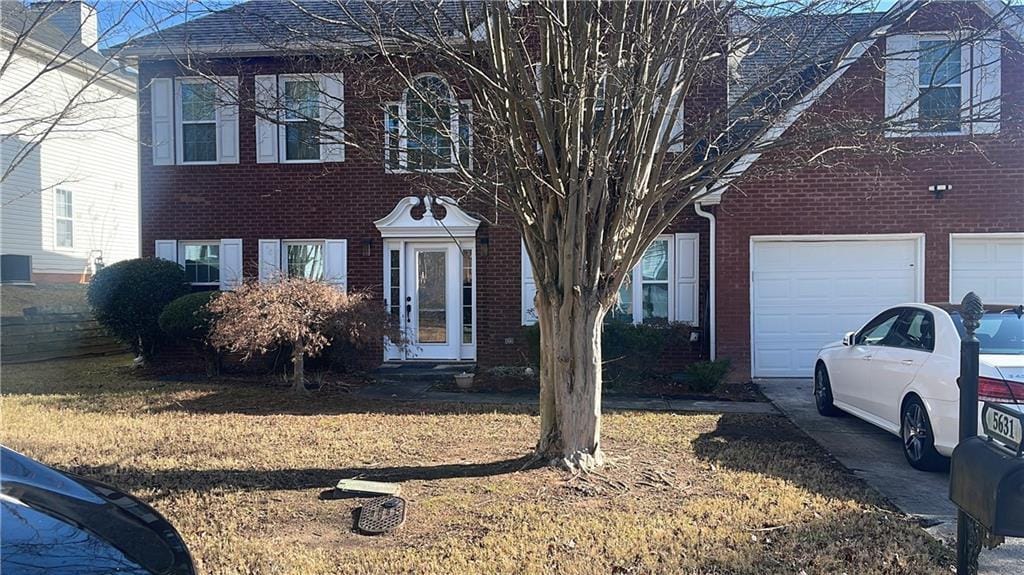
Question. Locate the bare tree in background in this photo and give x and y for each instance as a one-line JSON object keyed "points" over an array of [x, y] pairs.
{"points": [[594, 124], [51, 67]]}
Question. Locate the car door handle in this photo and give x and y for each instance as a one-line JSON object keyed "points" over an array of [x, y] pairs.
{"points": [[867, 358], [907, 362]]}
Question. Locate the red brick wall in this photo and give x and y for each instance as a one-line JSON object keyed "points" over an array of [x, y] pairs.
{"points": [[867, 194], [341, 200]]}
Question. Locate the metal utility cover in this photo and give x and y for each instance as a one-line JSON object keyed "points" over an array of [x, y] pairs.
{"points": [[381, 515]]}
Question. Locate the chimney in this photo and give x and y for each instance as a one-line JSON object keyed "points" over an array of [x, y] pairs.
{"points": [[76, 19]]}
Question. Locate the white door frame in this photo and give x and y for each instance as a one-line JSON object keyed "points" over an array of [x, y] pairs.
{"points": [[919, 263], [403, 233]]}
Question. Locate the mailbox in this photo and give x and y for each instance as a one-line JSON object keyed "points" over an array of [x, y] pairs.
{"points": [[987, 482]]}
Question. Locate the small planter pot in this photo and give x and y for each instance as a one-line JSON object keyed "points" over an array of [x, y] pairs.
{"points": [[464, 380]]}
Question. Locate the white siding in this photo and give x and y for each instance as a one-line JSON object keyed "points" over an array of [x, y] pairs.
{"points": [[96, 159]]}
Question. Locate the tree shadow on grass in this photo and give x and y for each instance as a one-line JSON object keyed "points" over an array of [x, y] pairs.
{"points": [[293, 479], [774, 447]]}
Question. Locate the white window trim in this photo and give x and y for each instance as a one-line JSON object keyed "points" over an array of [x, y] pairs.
{"points": [[965, 128], [179, 122], [636, 277], [283, 121], [403, 132], [300, 242], [182, 244], [57, 217]]}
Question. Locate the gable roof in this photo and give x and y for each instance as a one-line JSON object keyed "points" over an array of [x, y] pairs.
{"points": [[21, 23], [266, 26]]}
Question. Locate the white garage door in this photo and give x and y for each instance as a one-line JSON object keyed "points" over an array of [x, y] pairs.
{"points": [[991, 265], [806, 293]]}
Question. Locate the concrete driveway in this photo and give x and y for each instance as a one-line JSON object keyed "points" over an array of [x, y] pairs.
{"points": [[877, 457]]}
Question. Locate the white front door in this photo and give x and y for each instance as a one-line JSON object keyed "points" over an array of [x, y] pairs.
{"points": [[437, 293]]}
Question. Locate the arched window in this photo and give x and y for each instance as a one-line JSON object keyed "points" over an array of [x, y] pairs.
{"points": [[428, 130]]}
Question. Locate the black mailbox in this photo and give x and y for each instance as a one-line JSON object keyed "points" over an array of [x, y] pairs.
{"points": [[987, 482]]}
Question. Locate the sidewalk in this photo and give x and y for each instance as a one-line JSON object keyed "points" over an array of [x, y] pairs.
{"points": [[420, 391]]}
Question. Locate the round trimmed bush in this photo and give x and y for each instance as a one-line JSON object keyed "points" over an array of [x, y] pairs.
{"points": [[127, 298], [187, 317]]}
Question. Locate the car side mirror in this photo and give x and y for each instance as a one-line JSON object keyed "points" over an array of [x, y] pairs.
{"points": [[848, 338]]}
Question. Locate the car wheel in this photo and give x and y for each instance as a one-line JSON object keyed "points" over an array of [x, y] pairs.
{"points": [[823, 392], [918, 439]]}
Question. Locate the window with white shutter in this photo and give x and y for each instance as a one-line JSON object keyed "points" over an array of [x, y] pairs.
{"points": [[204, 115], [938, 84]]}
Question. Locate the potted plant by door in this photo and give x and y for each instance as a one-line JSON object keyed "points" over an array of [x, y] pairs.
{"points": [[464, 380]]}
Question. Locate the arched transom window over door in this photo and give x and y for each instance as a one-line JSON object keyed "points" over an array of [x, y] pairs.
{"points": [[428, 130]]}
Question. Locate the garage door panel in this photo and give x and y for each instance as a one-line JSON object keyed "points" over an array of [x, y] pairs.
{"points": [[806, 294], [992, 267]]}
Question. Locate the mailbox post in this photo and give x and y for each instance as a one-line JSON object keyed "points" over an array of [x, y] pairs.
{"points": [[968, 545], [986, 473]]}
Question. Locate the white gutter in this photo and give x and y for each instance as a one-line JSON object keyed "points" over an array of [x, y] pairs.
{"points": [[711, 278]]}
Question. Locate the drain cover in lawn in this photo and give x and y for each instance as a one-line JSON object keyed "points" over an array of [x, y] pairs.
{"points": [[381, 515]]}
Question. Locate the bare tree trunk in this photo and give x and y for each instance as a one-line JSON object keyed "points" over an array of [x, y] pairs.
{"points": [[570, 379], [299, 363]]}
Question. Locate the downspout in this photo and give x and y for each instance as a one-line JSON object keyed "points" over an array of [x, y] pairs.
{"points": [[711, 278]]}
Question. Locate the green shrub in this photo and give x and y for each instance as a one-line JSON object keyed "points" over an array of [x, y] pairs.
{"points": [[706, 376], [127, 298], [629, 351], [187, 318]]}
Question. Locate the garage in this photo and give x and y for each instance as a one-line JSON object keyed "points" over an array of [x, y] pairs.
{"points": [[809, 290], [991, 265]]}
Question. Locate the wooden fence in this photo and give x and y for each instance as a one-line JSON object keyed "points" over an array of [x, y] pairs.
{"points": [[37, 337]]}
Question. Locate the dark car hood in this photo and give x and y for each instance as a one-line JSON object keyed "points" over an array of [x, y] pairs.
{"points": [[59, 523]]}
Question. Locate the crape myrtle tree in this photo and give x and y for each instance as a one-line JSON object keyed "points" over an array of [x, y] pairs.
{"points": [[595, 124]]}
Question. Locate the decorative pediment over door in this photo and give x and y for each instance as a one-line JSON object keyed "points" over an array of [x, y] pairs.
{"points": [[401, 223]]}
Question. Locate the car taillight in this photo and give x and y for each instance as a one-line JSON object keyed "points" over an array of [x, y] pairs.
{"points": [[1000, 390]]}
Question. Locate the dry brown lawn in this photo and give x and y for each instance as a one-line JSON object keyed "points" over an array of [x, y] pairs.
{"points": [[244, 472]]}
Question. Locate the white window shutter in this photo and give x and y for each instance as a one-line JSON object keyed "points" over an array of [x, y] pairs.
{"points": [[332, 115], [986, 69], [266, 129], [336, 263], [529, 291], [270, 260], [227, 120], [230, 264], [167, 250], [161, 111], [687, 270], [901, 83]]}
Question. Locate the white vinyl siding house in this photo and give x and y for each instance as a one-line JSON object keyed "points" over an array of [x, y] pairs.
{"points": [[71, 202]]}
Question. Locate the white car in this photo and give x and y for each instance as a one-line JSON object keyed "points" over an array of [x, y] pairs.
{"points": [[900, 372]]}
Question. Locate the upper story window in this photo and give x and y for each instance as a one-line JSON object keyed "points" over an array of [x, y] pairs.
{"points": [[300, 118], [198, 105], [939, 81], [428, 130], [194, 120], [64, 218], [943, 84]]}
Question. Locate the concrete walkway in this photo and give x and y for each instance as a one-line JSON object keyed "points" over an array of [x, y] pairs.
{"points": [[876, 456], [420, 391]]}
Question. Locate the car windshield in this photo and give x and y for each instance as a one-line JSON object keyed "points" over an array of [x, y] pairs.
{"points": [[999, 332]]}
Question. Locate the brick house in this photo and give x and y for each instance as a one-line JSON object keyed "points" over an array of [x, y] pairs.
{"points": [[767, 268]]}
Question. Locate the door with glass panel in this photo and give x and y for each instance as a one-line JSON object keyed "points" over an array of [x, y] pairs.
{"points": [[438, 301]]}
